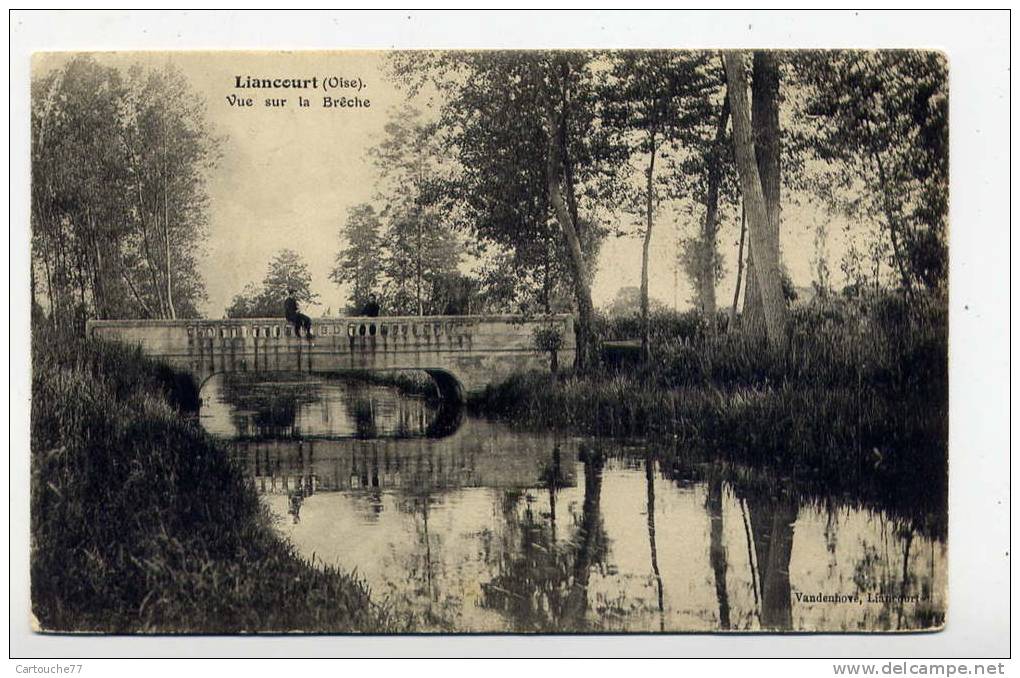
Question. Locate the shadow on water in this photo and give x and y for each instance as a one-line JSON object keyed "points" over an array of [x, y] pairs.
{"points": [[490, 528]]}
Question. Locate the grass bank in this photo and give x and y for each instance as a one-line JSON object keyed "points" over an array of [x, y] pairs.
{"points": [[857, 405], [140, 522]]}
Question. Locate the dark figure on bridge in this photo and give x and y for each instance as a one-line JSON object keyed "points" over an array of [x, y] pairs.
{"points": [[371, 308], [300, 320]]}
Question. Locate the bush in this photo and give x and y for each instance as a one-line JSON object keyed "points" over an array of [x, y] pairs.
{"points": [[664, 326], [548, 339]]}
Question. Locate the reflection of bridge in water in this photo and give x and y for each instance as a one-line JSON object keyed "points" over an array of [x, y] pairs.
{"points": [[464, 354], [297, 406], [415, 465]]}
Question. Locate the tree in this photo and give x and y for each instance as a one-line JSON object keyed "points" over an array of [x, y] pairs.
{"points": [[763, 238], [880, 126], [454, 294], [534, 168], [655, 100], [77, 170], [118, 191], [286, 271], [708, 271], [765, 129], [359, 263], [627, 302], [170, 150], [421, 245], [709, 171], [740, 268], [498, 195], [420, 253], [557, 178]]}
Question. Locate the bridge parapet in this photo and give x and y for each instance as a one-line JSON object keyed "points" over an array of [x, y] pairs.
{"points": [[474, 351]]}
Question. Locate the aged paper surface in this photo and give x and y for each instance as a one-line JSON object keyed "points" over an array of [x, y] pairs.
{"points": [[489, 342]]}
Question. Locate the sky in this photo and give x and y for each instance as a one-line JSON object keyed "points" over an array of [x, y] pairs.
{"points": [[288, 176]]}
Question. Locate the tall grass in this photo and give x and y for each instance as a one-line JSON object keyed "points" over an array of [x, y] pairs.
{"points": [[140, 523], [857, 404]]}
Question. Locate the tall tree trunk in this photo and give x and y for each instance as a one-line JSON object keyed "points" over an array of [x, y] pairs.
{"points": [[547, 278], [894, 228], [646, 350], [711, 227], [568, 166], [765, 130], [82, 305], [740, 268], [49, 288], [134, 292], [33, 304], [150, 261], [171, 311], [418, 271], [63, 277], [578, 266], [96, 264], [763, 238], [44, 248]]}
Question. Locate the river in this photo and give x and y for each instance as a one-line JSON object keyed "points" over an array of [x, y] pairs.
{"points": [[468, 525]]}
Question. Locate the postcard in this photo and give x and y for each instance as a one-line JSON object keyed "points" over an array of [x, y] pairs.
{"points": [[502, 342]]}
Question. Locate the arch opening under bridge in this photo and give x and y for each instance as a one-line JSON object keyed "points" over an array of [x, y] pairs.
{"points": [[280, 407]]}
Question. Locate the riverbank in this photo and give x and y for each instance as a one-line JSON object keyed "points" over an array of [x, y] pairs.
{"points": [[140, 522], [857, 406]]}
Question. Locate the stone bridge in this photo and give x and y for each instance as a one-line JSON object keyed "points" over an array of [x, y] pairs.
{"points": [[463, 354]]}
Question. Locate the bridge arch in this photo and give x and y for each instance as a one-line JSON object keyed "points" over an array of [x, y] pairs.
{"points": [[450, 388]]}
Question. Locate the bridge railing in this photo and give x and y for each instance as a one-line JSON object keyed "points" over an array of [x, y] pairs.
{"points": [[392, 327], [350, 327]]}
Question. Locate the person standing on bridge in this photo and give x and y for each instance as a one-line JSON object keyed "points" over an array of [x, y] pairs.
{"points": [[299, 320], [371, 308]]}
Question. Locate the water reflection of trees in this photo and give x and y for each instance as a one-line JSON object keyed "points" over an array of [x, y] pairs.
{"points": [[422, 572], [538, 562], [650, 499], [772, 518], [768, 513], [717, 550], [888, 577], [361, 410], [265, 409], [542, 583]]}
